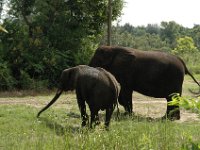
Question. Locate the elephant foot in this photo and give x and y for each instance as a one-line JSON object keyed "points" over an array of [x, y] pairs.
{"points": [[172, 116], [173, 113], [85, 120], [106, 128], [97, 122], [126, 113], [83, 124], [107, 125]]}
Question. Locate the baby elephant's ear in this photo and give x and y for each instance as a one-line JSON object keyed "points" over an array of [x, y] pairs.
{"points": [[73, 74], [68, 78]]}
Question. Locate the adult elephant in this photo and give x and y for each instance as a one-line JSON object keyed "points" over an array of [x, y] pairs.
{"points": [[152, 73], [95, 86]]}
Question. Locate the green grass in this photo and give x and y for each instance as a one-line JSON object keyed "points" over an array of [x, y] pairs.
{"points": [[58, 129], [60, 126]]}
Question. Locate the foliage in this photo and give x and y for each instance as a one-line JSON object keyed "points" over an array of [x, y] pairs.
{"points": [[187, 103], [139, 38], [169, 37], [7, 82], [46, 37], [87, 48], [170, 31], [163, 37], [185, 45], [195, 34], [193, 105]]}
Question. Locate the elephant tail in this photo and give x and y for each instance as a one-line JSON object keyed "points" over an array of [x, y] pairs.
{"points": [[193, 92], [58, 93], [190, 74], [187, 72], [198, 93]]}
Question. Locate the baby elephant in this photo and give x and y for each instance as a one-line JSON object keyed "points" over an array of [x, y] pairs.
{"points": [[96, 86]]}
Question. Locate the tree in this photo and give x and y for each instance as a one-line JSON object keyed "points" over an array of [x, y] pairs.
{"points": [[153, 29], [109, 22], [185, 45], [195, 34], [48, 36], [187, 50], [169, 32], [1, 7]]}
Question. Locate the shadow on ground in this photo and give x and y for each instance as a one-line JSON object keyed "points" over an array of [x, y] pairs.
{"points": [[58, 128], [134, 117], [73, 115]]}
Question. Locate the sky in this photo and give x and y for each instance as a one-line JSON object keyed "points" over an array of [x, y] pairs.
{"points": [[143, 12]]}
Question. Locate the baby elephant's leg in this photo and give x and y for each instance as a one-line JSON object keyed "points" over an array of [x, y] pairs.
{"points": [[109, 112], [94, 116], [84, 115]]}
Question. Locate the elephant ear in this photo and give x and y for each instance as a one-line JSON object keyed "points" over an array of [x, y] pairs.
{"points": [[69, 78], [124, 58], [73, 75], [102, 58], [107, 58]]}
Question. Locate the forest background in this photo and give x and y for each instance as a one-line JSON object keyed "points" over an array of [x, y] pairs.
{"points": [[48, 36]]}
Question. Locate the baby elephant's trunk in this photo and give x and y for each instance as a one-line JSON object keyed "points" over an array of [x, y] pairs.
{"points": [[59, 92]]}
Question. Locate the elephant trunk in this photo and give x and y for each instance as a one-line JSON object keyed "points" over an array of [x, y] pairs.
{"points": [[59, 92]]}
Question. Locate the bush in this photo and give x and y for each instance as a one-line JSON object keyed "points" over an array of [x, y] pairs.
{"points": [[191, 104], [27, 83], [84, 55], [7, 82]]}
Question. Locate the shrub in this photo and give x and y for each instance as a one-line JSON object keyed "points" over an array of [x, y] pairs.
{"points": [[191, 104], [7, 82]]}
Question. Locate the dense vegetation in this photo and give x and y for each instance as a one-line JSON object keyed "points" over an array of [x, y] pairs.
{"points": [[47, 36]]}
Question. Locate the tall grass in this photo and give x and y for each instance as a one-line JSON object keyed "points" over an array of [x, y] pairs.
{"points": [[56, 129]]}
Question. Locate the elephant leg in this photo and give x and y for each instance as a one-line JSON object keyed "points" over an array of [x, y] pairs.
{"points": [[97, 121], [94, 118], [125, 99], [84, 115], [109, 112], [82, 108], [173, 112]]}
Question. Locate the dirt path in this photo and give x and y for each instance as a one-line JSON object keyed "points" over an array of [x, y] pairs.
{"points": [[156, 108], [14, 101], [142, 105]]}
